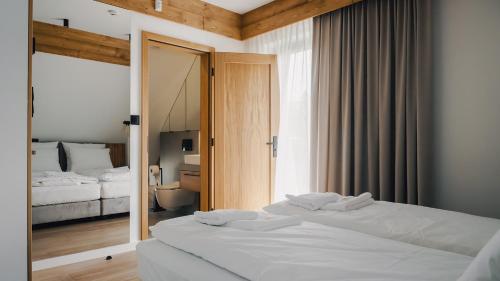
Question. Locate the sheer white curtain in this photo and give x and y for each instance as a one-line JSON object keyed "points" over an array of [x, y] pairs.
{"points": [[293, 46]]}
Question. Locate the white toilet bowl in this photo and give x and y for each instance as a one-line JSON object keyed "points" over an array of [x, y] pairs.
{"points": [[171, 196]]}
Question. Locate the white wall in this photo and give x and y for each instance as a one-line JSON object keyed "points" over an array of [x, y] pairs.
{"points": [[466, 106], [13, 132], [151, 24], [80, 100]]}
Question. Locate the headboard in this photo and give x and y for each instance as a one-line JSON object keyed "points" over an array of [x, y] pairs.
{"points": [[118, 154]]}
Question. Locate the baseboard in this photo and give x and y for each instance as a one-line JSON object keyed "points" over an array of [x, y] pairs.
{"points": [[83, 256]]}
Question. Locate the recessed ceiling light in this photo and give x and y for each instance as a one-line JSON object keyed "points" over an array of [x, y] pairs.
{"points": [[158, 5], [112, 12]]}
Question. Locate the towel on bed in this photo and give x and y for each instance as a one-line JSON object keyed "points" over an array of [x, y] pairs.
{"points": [[220, 217], [265, 223], [108, 175], [350, 203], [313, 201]]}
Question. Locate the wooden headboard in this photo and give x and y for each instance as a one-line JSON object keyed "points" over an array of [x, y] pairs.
{"points": [[118, 154]]}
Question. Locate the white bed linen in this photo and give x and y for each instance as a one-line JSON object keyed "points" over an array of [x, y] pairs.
{"points": [[54, 178], [309, 252], [108, 175], [434, 228], [50, 195], [115, 189], [160, 262]]}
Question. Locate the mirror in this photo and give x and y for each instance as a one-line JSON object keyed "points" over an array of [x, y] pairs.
{"points": [[80, 171]]}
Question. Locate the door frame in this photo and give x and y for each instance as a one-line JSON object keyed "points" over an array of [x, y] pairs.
{"points": [[28, 137], [207, 54]]}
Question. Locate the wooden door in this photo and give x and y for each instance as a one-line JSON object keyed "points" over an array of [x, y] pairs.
{"points": [[246, 108]]}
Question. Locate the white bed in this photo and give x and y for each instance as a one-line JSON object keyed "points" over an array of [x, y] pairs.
{"points": [[118, 189], [434, 228], [51, 195], [160, 262], [115, 182], [306, 252]]}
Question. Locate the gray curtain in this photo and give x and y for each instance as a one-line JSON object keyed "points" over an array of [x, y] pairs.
{"points": [[370, 100]]}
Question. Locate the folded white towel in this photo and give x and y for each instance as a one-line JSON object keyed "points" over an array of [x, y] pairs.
{"points": [[350, 203], [115, 176], [265, 223], [220, 217], [108, 175], [313, 201]]}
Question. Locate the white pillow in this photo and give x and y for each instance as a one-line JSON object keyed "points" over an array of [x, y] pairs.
{"points": [[90, 158], [486, 265], [68, 145], [44, 145], [46, 159]]}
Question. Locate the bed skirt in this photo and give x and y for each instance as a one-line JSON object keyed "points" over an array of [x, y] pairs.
{"points": [[79, 210], [66, 211], [115, 206]]}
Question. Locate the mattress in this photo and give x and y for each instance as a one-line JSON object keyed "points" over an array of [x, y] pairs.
{"points": [[434, 228], [160, 262], [50, 195], [309, 252], [117, 189]]}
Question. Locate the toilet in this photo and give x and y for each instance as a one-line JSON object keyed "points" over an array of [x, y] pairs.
{"points": [[172, 197]]}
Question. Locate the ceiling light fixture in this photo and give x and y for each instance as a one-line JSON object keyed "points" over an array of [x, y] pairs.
{"points": [[112, 12], [158, 5]]}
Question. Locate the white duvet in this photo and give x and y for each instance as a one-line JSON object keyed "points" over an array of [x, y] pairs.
{"points": [[50, 195], [309, 252], [108, 175], [50, 178], [115, 189], [434, 228]]}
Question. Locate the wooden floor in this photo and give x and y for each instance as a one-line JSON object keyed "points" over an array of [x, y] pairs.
{"points": [[122, 267], [74, 238]]}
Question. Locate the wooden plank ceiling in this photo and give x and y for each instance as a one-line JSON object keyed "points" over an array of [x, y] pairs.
{"points": [[205, 16], [71, 42], [60, 40], [280, 13], [195, 13]]}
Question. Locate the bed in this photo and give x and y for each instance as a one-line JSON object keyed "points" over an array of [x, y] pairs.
{"points": [[61, 203], [434, 228], [53, 195], [76, 200], [114, 192], [161, 262], [184, 249]]}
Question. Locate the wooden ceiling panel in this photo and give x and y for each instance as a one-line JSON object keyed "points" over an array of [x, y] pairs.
{"points": [[281, 13], [195, 13], [269, 10], [71, 42], [205, 16]]}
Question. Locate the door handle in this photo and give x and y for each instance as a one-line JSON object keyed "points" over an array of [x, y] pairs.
{"points": [[274, 144]]}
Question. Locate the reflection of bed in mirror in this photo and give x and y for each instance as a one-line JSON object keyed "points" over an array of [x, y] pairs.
{"points": [[86, 190]]}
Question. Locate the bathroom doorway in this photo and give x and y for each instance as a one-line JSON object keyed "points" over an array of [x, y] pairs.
{"points": [[175, 136]]}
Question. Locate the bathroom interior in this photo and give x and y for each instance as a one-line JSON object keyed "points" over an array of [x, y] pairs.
{"points": [[174, 133]]}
